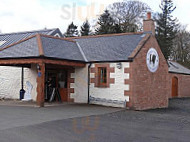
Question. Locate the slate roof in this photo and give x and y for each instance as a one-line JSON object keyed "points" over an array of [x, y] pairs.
{"points": [[109, 48], [102, 48], [175, 67], [61, 49], [27, 48], [10, 38], [52, 48]]}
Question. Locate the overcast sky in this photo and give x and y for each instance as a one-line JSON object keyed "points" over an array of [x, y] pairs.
{"points": [[25, 15]]}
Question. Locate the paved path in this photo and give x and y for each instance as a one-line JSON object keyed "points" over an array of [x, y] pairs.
{"points": [[106, 124], [16, 116]]}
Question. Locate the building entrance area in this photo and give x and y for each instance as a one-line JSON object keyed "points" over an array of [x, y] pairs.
{"points": [[56, 84]]}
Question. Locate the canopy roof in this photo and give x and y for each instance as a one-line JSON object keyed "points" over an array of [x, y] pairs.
{"points": [[43, 46], [10, 38]]}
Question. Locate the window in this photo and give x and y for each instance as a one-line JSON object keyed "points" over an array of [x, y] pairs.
{"points": [[102, 76]]}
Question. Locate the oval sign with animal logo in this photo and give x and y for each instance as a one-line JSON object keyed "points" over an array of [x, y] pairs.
{"points": [[152, 60]]}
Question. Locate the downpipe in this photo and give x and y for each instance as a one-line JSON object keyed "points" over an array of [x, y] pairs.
{"points": [[89, 66]]}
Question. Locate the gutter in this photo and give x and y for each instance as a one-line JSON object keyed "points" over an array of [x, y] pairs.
{"points": [[179, 73], [89, 66]]}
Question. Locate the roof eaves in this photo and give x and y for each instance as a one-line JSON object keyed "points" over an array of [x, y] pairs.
{"points": [[139, 46], [63, 59], [179, 73], [111, 61]]}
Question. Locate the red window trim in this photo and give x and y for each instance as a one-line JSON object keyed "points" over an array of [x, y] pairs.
{"points": [[104, 77], [109, 80]]}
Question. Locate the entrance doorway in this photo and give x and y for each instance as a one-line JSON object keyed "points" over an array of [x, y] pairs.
{"points": [[59, 82], [174, 87]]}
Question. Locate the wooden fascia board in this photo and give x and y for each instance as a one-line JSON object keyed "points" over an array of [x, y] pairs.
{"points": [[40, 60], [63, 63], [18, 61]]}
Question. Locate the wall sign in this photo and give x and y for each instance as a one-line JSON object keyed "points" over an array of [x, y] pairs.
{"points": [[39, 74], [152, 60]]}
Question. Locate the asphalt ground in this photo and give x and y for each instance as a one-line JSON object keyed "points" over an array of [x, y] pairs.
{"points": [[84, 123]]}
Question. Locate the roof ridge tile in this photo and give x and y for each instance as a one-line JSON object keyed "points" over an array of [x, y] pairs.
{"points": [[105, 35]]}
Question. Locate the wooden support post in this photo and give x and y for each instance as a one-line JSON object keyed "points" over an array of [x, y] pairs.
{"points": [[41, 84]]}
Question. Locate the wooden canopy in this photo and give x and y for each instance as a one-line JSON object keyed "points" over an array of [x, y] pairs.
{"points": [[42, 63]]}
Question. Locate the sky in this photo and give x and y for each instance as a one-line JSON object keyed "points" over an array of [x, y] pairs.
{"points": [[26, 15]]}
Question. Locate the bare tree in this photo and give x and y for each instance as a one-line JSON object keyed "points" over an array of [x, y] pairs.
{"points": [[181, 49], [129, 14]]}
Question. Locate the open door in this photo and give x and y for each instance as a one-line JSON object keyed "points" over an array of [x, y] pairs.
{"points": [[62, 85], [59, 80], [174, 87]]}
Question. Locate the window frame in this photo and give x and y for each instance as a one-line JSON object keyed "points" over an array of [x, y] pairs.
{"points": [[95, 79], [102, 76]]}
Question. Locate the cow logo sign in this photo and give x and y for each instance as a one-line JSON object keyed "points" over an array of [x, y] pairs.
{"points": [[152, 60]]}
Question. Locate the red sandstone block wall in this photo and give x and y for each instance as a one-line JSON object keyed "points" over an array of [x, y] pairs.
{"points": [[149, 90], [183, 85]]}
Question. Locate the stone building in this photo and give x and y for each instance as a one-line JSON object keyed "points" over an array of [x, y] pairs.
{"points": [[119, 70]]}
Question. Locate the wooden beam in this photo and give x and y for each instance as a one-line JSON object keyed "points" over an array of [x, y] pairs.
{"points": [[64, 63], [40, 46], [57, 67], [21, 65], [41, 85], [15, 62]]}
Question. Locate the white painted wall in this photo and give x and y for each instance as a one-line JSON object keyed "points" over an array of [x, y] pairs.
{"points": [[116, 91], [10, 81], [80, 85], [31, 76]]}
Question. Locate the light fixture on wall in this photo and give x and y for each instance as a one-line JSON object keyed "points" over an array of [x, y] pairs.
{"points": [[119, 65], [38, 67]]}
